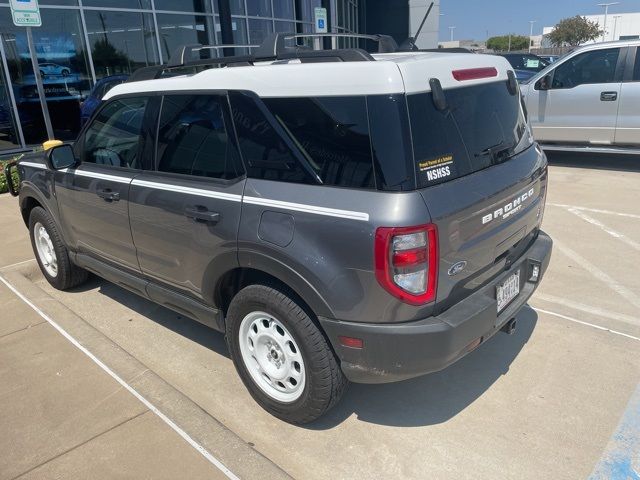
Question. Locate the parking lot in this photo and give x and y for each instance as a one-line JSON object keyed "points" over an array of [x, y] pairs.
{"points": [[99, 383]]}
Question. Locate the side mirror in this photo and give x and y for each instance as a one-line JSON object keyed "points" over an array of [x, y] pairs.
{"points": [[544, 83], [62, 157]]}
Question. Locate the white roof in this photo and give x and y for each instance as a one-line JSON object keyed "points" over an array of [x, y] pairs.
{"points": [[390, 73]]}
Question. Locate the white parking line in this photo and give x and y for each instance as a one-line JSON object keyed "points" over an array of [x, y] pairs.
{"points": [[604, 228], [599, 274], [581, 307], [595, 210], [13, 265], [204, 452], [571, 319]]}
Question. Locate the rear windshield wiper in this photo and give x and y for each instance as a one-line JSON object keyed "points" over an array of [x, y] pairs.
{"points": [[499, 152]]}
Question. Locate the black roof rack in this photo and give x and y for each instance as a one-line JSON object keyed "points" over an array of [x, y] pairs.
{"points": [[272, 48]]}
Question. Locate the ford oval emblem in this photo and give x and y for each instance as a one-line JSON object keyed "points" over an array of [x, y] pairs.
{"points": [[457, 268]]}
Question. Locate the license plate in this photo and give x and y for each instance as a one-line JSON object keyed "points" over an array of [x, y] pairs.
{"points": [[508, 290]]}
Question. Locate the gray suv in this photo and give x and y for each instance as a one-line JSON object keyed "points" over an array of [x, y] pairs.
{"points": [[339, 216]]}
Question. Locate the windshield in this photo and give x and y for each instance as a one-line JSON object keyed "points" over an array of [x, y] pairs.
{"points": [[530, 63], [482, 126]]}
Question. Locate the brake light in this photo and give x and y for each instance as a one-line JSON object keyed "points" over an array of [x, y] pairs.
{"points": [[474, 73], [407, 262]]}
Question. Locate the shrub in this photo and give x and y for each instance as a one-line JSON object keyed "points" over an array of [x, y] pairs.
{"points": [[3, 181]]}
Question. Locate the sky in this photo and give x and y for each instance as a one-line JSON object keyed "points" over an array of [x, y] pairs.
{"points": [[474, 18]]}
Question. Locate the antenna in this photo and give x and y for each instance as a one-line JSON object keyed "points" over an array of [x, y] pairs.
{"points": [[410, 43]]}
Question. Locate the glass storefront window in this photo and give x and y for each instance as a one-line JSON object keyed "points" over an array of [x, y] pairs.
{"points": [[239, 27], [64, 68], [121, 42], [237, 7], [306, 9], [283, 9], [285, 27], [258, 30], [72, 3], [199, 6], [177, 30], [144, 4], [259, 8], [8, 127], [121, 37]]}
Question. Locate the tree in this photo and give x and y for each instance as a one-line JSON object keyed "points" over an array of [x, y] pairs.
{"points": [[574, 31], [501, 43], [108, 58]]}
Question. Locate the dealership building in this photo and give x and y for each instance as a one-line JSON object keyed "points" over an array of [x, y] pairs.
{"points": [[81, 42]]}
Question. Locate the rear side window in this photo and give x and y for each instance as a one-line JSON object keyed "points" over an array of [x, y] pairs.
{"points": [[265, 153], [113, 138], [333, 135], [482, 126], [193, 137], [636, 71]]}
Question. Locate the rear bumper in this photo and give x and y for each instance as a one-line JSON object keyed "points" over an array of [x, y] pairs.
{"points": [[397, 352]]}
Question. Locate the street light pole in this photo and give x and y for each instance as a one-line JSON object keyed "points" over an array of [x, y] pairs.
{"points": [[606, 14], [531, 33], [615, 25], [451, 29]]}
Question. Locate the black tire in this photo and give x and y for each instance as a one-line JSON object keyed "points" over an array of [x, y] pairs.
{"points": [[324, 381], [68, 274]]}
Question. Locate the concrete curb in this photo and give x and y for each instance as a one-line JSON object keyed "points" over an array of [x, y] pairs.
{"points": [[238, 456]]}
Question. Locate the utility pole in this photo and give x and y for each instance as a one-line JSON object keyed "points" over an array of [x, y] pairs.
{"points": [[451, 29], [531, 33], [606, 14]]}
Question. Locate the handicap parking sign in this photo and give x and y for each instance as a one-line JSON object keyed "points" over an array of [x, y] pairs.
{"points": [[320, 15]]}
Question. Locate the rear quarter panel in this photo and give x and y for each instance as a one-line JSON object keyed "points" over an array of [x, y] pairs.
{"points": [[329, 257]]}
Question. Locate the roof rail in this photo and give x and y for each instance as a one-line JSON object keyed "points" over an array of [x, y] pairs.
{"points": [[184, 54], [273, 44], [272, 48]]}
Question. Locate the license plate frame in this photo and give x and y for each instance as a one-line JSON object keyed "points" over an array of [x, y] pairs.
{"points": [[507, 291]]}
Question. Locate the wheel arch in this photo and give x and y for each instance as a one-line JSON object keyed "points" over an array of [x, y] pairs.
{"points": [[281, 277], [30, 199]]}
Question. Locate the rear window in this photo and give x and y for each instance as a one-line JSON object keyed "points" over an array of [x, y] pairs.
{"points": [[482, 126]]}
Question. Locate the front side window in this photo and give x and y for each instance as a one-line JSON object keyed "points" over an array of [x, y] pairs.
{"points": [[193, 137], [598, 66], [113, 138], [636, 71]]}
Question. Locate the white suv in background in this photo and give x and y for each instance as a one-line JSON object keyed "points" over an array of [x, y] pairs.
{"points": [[590, 99]]}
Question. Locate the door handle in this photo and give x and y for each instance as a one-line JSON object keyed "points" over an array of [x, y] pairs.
{"points": [[608, 96], [202, 214], [108, 195]]}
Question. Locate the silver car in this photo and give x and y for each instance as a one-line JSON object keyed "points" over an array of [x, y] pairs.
{"points": [[589, 99]]}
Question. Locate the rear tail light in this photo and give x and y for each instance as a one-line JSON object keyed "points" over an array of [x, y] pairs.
{"points": [[474, 73], [407, 262]]}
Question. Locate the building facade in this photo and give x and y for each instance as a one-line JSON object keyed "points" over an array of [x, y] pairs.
{"points": [[81, 42]]}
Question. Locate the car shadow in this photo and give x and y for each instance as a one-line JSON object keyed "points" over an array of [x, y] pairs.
{"points": [[438, 397], [597, 161], [185, 326], [427, 400]]}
